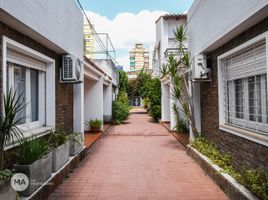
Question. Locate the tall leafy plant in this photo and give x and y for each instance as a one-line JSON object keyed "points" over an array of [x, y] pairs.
{"points": [[9, 121], [177, 69], [123, 81]]}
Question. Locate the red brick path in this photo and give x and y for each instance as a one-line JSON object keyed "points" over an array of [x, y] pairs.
{"points": [[138, 161]]}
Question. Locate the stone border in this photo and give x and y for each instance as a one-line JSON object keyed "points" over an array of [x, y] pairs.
{"points": [[228, 184]]}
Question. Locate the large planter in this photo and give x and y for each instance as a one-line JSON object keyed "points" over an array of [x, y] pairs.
{"points": [[95, 129], [60, 156], [76, 146], [38, 173], [7, 192]]}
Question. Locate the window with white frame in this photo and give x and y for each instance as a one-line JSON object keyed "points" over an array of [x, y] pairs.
{"points": [[26, 76], [245, 88]]}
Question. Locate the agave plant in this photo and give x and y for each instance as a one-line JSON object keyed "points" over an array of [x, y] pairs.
{"points": [[9, 131]]}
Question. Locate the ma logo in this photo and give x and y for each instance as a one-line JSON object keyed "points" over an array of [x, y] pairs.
{"points": [[19, 182]]}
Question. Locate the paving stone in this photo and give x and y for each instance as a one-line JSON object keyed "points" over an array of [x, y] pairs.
{"points": [[138, 160]]}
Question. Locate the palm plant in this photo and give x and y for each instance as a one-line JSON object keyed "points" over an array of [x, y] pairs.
{"points": [[177, 69], [9, 121]]}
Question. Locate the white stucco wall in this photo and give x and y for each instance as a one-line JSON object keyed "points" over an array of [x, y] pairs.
{"points": [[108, 66], [93, 100], [212, 20], [57, 21], [165, 102], [107, 101], [164, 31]]}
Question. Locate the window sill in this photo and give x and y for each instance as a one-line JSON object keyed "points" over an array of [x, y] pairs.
{"points": [[249, 135], [37, 132]]}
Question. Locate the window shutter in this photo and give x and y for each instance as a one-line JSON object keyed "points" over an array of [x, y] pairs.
{"points": [[25, 60], [248, 62]]}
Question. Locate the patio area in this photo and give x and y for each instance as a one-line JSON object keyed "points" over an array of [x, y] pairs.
{"points": [[138, 160]]}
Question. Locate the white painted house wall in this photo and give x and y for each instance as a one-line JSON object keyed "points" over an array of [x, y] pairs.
{"points": [[58, 21], [223, 18], [58, 25], [212, 23], [100, 78], [165, 39]]}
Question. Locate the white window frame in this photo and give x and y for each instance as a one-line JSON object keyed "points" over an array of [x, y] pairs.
{"points": [[244, 133], [49, 94], [28, 125]]}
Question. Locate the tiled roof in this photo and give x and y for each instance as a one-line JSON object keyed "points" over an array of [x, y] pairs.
{"points": [[172, 16]]}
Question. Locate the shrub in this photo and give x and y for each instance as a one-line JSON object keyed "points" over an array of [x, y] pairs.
{"points": [[123, 81], [146, 103], [5, 175], [120, 112], [96, 123], [181, 125], [57, 137], [155, 112], [31, 150], [122, 96], [255, 180], [152, 91]]}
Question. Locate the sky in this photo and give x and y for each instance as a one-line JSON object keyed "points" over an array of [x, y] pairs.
{"points": [[130, 21]]}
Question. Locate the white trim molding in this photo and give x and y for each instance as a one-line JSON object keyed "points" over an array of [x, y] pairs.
{"points": [[236, 130], [49, 78]]}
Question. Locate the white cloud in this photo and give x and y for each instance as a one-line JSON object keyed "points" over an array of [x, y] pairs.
{"points": [[124, 61], [126, 29]]}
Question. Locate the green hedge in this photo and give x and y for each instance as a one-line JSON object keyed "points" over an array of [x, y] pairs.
{"points": [[120, 112], [255, 180]]}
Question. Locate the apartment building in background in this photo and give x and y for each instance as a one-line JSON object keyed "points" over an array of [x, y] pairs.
{"points": [[88, 41], [139, 57]]}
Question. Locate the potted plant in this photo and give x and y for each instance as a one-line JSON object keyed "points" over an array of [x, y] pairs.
{"points": [[6, 190], [35, 161], [59, 141], [76, 143], [95, 125], [9, 132]]}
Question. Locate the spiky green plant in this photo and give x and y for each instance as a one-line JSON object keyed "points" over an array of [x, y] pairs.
{"points": [[57, 137], [94, 123], [31, 150], [9, 131], [177, 69]]}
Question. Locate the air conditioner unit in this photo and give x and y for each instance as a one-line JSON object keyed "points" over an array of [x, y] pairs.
{"points": [[72, 69], [200, 71]]}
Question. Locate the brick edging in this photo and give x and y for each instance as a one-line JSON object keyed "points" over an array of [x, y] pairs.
{"points": [[228, 184], [172, 134]]}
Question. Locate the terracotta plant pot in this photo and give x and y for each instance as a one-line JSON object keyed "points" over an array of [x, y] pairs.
{"points": [[95, 129]]}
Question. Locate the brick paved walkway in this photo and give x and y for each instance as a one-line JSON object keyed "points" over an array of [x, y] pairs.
{"points": [[138, 161]]}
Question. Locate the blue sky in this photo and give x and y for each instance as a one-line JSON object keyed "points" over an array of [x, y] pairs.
{"points": [[130, 21], [110, 8]]}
